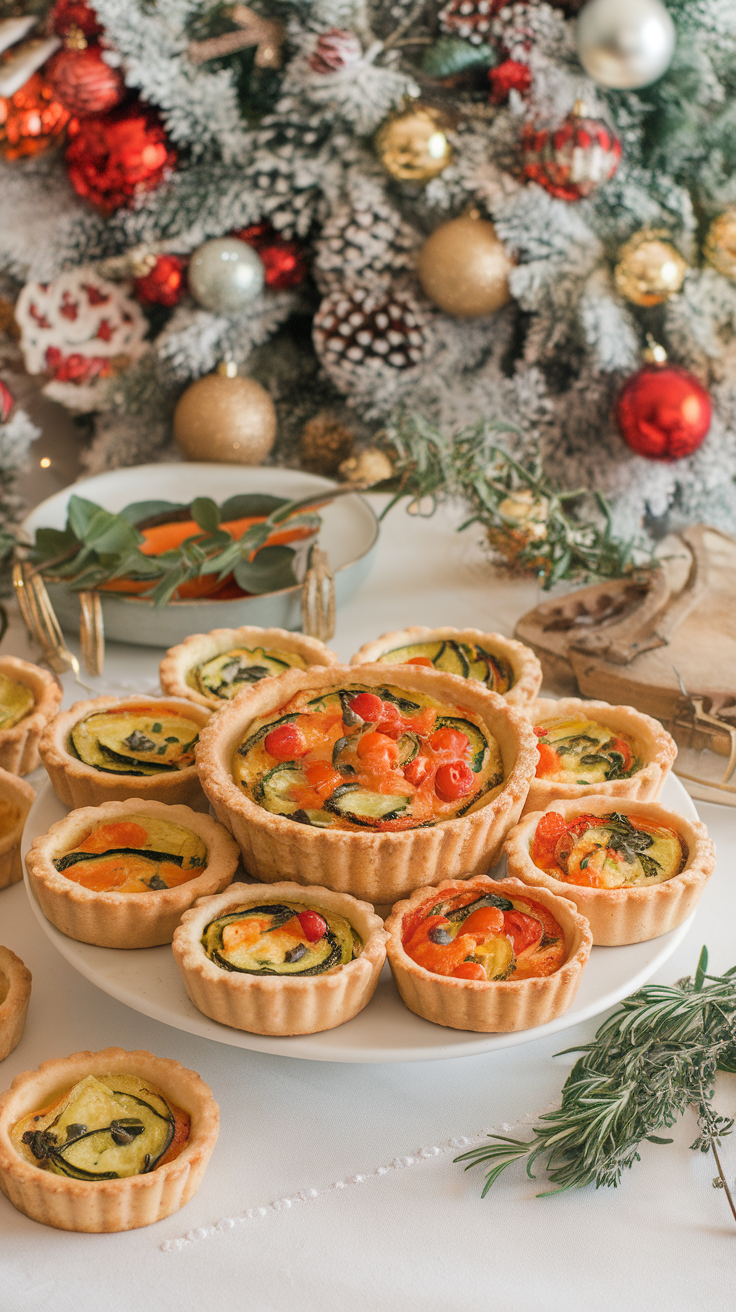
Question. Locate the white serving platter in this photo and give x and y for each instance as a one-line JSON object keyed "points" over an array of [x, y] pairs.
{"points": [[349, 536], [385, 1031]]}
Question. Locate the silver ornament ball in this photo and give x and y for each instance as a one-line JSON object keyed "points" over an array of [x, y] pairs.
{"points": [[625, 43], [225, 275]]}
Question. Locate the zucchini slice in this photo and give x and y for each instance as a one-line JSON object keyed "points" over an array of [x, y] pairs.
{"points": [[273, 789], [452, 660], [409, 744], [400, 655], [266, 940], [265, 729], [364, 807], [227, 674], [139, 741], [475, 736]]}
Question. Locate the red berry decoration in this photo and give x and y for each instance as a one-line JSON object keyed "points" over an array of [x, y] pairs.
{"points": [[164, 284], [67, 15], [509, 75], [113, 159], [663, 413], [84, 83], [572, 160], [334, 51], [284, 262], [7, 401]]}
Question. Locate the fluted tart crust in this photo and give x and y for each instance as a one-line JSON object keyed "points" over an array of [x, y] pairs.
{"points": [[16, 798], [630, 913], [113, 919], [15, 994], [178, 669], [19, 743]]}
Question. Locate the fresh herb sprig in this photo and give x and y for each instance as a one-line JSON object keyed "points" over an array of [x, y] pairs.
{"points": [[655, 1056]]}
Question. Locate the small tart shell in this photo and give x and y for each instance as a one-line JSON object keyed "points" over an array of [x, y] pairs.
{"points": [[201, 647], [378, 867], [524, 665], [273, 1004], [15, 983], [105, 1206], [125, 920], [77, 784], [20, 794], [19, 745], [622, 915], [657, 747], [491, 1006]]}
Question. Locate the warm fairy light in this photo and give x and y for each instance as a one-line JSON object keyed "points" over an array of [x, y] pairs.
{"points": [[45, 462]]}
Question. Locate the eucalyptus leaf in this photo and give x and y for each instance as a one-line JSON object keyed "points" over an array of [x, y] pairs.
{"points": [[53, 542], [271, 570], [206, 514], [140, 511], [246, 504], [450, 54], [80, 514]]}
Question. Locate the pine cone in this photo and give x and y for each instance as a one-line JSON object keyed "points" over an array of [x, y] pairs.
{"points": [[281, 170], [325, 443], [368, 332], [363, 246], [470, 19]]}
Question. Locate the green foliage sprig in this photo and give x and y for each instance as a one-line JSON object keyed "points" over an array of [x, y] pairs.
{"points": [[534, 524], [655, 1056]]}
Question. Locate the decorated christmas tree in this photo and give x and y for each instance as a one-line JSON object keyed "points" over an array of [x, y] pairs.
{"points": [[507, 220]]}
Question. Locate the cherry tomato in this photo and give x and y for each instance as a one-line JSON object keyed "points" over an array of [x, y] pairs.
{"points": [[418, 771], [453, 781], [470, 970], [521, 929], [484, 923], [390, 721], [377, 751], [420, 660], [368, 706], [449, 740], [539, 730], [314, 926], [285, 743], [549, 762], [549, 830]]}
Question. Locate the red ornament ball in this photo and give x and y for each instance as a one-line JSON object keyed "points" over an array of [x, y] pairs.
{"points": [[116, 157], [7, 401], [663, 413], [31, 119], [509, 75], [164, 284], [284, 261], [68, 14], [84, 83], [572, 160]]}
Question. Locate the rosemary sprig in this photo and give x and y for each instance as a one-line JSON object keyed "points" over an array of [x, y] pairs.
{"points": [[535, 525], [655, 1056]]}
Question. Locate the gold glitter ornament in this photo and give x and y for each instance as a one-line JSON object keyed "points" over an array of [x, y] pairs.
{"points": [[226, 419], [464, 268], [649, 268], [369, 466], [720, 244], [412, 145]]}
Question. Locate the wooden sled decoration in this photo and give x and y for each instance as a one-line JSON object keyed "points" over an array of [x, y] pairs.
{"points": [[662, 640]]}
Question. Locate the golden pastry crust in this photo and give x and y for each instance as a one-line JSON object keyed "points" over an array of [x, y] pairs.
{"points": [[15, 993], [106, 1206], [493, 1006], [77, 784], [657, 747], [19, 745], [272, 1004], [622, 915], [378, 867], [125, 920], [20, 794], [524, 665], [200, 647]]}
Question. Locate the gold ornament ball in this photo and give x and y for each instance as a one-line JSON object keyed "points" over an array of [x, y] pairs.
{"points": [[649, 269], [369, 466], [464, 268], [412, 145], [226, 419], [720, 244]]}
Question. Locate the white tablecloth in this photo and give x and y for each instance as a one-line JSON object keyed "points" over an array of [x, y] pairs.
{"points": [[332, 1186]]}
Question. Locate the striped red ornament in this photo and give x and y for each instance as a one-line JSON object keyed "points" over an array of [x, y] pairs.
{"points": [[570, 161], [84, 83]]}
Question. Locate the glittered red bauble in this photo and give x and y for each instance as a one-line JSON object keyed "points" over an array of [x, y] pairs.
{"points": [[663, 413], [7, 401], [164, 284], [67, 14], [31, 119], [115, 157], [509, 75], [84, 83], [572, 160], [334, 51], [284, 261]]}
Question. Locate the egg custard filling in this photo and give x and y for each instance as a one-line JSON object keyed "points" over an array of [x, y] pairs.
{"points": [[464, 658], [607, 851], [105, 1127], [16, 702], [281, 938], [581, 751], [135, 854], [140, 740], [228, 673], [485, 938], [355, 758]]}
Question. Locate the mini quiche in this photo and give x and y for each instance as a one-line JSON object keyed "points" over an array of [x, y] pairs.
{"points": [[500, 664], [634, 869], [111, 748], [29, 698], [15, 994], [487, 955], [335, 776], [16, 797], [590, 747], [105, 1141], [280, 958], [212, 668], [121, 875]]}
